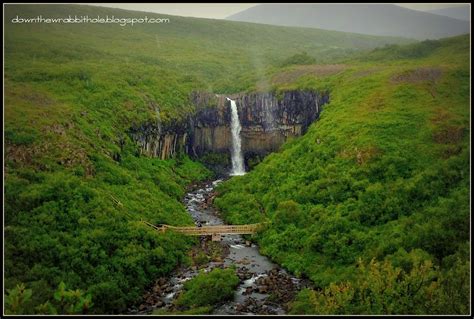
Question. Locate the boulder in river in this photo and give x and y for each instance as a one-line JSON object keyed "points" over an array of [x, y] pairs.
{"points": [[247, 291]]}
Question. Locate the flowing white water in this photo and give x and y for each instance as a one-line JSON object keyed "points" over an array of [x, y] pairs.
{"points": [[250, 266], [236, 152]]}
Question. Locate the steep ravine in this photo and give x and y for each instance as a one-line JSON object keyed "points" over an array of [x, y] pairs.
{"points": [[265, 288], [266, 122]]}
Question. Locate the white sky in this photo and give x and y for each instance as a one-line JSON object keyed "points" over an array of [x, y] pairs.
{"points": [[223, 10]]}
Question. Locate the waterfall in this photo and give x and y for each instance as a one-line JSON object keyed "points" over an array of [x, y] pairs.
{"points": [[236, 151]]}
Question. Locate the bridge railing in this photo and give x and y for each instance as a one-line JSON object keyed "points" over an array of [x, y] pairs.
{"points": [[209, 230]]}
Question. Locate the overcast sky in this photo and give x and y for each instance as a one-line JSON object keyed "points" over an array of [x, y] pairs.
{"points": [[223, 10]]}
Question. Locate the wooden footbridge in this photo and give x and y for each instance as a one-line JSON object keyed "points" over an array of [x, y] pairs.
{"points": [[214, 231]]}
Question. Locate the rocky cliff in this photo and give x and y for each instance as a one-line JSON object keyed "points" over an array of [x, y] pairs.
{"points": [[267, 121], [162, 141]]}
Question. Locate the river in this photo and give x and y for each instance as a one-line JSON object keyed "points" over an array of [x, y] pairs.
{"points": [[264, 286]]}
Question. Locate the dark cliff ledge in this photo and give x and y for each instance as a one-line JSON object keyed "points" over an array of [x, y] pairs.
{"points": [[162, 141], [269, 112], [260, 109], [267, 120]]}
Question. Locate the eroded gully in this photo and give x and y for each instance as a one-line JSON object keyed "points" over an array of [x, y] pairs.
{"points": [[265, 288]]}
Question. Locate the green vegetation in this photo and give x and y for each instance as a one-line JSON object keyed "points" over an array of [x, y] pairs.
{"points": [[382, 288], [208, 289], [76, 186], [116, 67], [63, 226], [18, 301], [298, 59], [395, 52], [374, 199], [203, 292]]}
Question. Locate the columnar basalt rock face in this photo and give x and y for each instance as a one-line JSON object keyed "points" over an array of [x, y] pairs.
{"points": [[267, 121], [162, 141], [210, 126]]}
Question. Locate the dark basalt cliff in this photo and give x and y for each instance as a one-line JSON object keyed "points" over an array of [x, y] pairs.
{"points": [[162, 141], [267, 121]]}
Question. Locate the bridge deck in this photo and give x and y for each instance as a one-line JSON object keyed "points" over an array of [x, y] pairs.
{"points": [[212, 230]]}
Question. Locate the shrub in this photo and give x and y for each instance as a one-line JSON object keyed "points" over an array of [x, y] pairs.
{"points": [[208, 289], [379, 288], [299, 59], [65, 302]]}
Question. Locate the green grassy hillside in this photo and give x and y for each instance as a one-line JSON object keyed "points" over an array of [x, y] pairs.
{"points": [[372, 204], [104, 78], [71, 93]]}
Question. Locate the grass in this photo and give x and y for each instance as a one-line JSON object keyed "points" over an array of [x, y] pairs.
{"points": [[390, 147], [72, 92]]}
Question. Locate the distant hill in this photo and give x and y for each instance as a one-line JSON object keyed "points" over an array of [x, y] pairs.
{"points": [[373, 19], [220, 49], [461, 13]]}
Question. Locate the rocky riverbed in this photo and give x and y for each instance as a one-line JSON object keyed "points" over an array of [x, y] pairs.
{"points": [[265, 288]]}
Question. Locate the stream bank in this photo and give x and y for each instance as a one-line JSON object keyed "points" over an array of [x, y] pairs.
{"points": [[264, 288]]}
